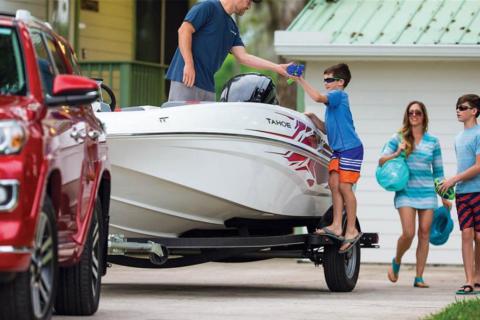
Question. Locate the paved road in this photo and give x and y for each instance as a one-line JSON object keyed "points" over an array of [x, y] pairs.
{"points": [[268, 290]]}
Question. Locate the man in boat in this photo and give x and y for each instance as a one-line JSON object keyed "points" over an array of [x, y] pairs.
{"points": [[207, 34]]}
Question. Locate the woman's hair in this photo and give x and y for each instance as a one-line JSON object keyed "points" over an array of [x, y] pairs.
{"points": [[406, 130]]}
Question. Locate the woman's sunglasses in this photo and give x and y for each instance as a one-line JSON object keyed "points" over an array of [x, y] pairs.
{"points": [[462, 107], [330, 80], [415, 113]]}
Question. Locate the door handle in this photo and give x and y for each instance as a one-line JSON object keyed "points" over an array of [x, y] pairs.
{"points": [[78, 135], [93, 134]]}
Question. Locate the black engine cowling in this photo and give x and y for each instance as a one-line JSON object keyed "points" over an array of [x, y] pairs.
{"points": [[249, 87]]}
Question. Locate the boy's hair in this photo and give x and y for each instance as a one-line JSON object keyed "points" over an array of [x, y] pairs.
{"points": [[341, 71], [473, 100]]}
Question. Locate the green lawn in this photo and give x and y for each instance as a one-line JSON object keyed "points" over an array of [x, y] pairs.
{"points": [[460, 310]]}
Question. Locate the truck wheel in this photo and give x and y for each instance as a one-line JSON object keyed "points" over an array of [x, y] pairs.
{"points": [[30, 294], [341, 270], [79, 285]]}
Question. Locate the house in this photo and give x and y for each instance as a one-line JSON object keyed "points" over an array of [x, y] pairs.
{"points": [[398, 51], [128, 43]]}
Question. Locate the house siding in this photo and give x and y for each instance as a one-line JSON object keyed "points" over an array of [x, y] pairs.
{"points": [[108, 33], [379, 93], [38, 8]]}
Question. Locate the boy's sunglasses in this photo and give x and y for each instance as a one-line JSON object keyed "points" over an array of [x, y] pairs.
{"points": [[462, 107], [415, 113], [330, 80]]}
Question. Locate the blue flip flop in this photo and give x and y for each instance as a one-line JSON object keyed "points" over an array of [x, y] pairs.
{"points": [[466, 290], [393, 276], [351, 243], [420, 283], [329, 233]]}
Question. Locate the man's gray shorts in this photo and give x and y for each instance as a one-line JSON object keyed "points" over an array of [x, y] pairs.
{"points": [[180, 92]]}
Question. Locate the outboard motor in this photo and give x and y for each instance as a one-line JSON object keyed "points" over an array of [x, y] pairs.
{"points": [[249, 87]]}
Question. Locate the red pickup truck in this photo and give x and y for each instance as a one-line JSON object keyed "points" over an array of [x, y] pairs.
{"points": [[54, 177]]}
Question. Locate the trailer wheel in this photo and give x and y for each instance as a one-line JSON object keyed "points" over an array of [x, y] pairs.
{"points": [[79, 285], [341, 270]]}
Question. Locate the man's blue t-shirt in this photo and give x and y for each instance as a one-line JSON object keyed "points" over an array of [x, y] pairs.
{"points": [[215, 35], [467, 148], [339, 123]]}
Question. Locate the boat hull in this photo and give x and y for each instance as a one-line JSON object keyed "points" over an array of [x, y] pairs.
{"points": [[167, 182]]}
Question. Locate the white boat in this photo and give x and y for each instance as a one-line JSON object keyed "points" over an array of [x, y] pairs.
{"points": [[223, 182], [214, 166]]}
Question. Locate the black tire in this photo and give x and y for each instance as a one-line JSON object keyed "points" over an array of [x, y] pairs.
{"points": [[30, 294], [341, 270], [79, 285], [324, 221]]}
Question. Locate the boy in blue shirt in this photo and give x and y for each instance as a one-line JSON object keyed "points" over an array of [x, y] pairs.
{"points": [[207, 34], [467, 190], [347, 157]]}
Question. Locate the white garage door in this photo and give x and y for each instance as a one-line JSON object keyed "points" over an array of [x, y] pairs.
{"points": [[379, 93]]}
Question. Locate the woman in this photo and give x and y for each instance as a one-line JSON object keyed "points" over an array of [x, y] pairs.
{"points": [[424, 160]]}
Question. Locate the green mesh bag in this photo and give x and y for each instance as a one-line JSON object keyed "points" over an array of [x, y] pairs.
{"points": [[449, 194]]}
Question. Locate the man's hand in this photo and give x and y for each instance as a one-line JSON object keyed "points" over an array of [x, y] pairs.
{"points": [[282, 69], [189, 75]]}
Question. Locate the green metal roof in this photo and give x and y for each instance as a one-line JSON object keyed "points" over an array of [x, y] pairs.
{"points": [[404, 22]]}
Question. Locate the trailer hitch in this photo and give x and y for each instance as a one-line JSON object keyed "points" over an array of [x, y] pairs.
{"points": [[119, 246]]}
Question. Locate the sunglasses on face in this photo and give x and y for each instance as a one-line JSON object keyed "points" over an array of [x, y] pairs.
{"points": [[415, 113], [330, 80], [462, 107]]}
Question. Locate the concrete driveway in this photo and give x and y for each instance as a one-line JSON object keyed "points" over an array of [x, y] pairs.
{"points": [[273, 289]]}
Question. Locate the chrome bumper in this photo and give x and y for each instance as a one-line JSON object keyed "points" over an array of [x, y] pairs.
{"points": [[16, 250]]}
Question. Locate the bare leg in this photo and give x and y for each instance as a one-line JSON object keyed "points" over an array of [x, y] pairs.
{"points": [[351, 208], [477, 257], [425, 218], [337, 199], [407, 218], [467, 254]]}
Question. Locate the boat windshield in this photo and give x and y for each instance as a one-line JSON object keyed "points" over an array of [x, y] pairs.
{"points": [[12, 75]]}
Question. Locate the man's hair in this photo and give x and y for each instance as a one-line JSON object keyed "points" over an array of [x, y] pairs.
{"points": [[341, 71], [473, 101]]}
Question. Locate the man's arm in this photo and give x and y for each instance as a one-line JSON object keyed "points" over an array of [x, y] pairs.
{"points": [[314, 94], [243, 57], [185, 45]]}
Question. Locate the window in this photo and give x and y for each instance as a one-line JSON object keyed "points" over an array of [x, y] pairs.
{"points": [[72, 59], [12, 75], [45, 66], [57, 55]]}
